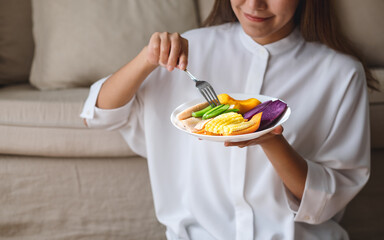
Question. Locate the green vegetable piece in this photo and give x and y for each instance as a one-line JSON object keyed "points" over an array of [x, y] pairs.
{"points": [[215, 111], [201, 112], [231, 110]]}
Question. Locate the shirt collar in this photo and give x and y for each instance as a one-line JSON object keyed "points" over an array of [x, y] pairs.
{"points": [[274, 48]]}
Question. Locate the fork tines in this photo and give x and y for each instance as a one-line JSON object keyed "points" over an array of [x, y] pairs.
{"points": [[209, 94], [205, 89]]}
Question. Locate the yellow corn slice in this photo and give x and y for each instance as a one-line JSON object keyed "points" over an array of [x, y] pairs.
{"points": [[237, 127], [223, 122], [216, 124]]}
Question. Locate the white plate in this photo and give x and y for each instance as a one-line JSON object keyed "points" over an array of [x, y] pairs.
{"points": [[236, 138]]}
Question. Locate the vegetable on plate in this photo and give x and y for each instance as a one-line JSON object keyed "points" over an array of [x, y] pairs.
{"points": [[230, 118]]}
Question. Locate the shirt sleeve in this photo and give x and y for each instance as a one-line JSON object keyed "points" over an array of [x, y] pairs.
{"points": [[125, 119], [341, 166]]}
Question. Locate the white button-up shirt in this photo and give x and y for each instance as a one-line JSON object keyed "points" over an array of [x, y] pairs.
{"points": [[203, 190]]}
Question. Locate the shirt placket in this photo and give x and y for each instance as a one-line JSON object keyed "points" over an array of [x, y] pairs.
{"points": [[257, 70], [244, 215], [243, 211]]}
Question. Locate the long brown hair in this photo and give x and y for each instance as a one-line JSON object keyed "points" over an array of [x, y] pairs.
{"points": [[317, 23]]}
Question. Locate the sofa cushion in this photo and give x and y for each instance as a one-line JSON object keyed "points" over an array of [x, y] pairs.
{"points": [[24, 105], [377, 126], [376, 97], [205, 7], [47, 123], [363, 218], [76, 198], [376, 100], [16, 42], [80, 41], [62, 142], [362, 22]]}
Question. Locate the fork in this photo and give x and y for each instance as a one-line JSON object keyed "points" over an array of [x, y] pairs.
{"points": [[205, 89]]}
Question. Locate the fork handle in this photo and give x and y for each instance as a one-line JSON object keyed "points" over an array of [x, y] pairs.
{"points": [[190, 75]]}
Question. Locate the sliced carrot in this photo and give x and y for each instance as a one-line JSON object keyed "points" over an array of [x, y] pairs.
{"points": [[256, 118], [210, 133], [201, 131]]}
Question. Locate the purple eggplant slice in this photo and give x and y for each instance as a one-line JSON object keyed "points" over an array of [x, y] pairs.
{"points": [[271, 114], [259, 108]]}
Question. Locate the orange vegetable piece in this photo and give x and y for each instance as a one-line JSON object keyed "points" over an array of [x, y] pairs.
{"points": [[243, 105], [256, 118]]}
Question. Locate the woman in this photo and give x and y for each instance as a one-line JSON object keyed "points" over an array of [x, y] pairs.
{"points": [[280, 186]]}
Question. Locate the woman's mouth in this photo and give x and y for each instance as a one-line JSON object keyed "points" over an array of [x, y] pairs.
{"points": [[255, 18]]}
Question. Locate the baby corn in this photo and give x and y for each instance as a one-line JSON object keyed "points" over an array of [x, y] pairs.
{"points": [[217, 124], [237, 127]]}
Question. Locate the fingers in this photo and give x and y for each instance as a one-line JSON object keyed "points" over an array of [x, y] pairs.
{"points": [[278, 130], [260, 140], [153, 54], [169, 50], [165, 46], [183, 59], [238, 144]]}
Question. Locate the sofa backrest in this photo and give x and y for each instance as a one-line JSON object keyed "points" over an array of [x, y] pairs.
{"points": [[71, 40], [16, 41], [76, 42], [80, 41]]}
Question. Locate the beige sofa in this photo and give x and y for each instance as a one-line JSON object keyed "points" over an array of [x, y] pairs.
{"points": [[60, 180]]}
